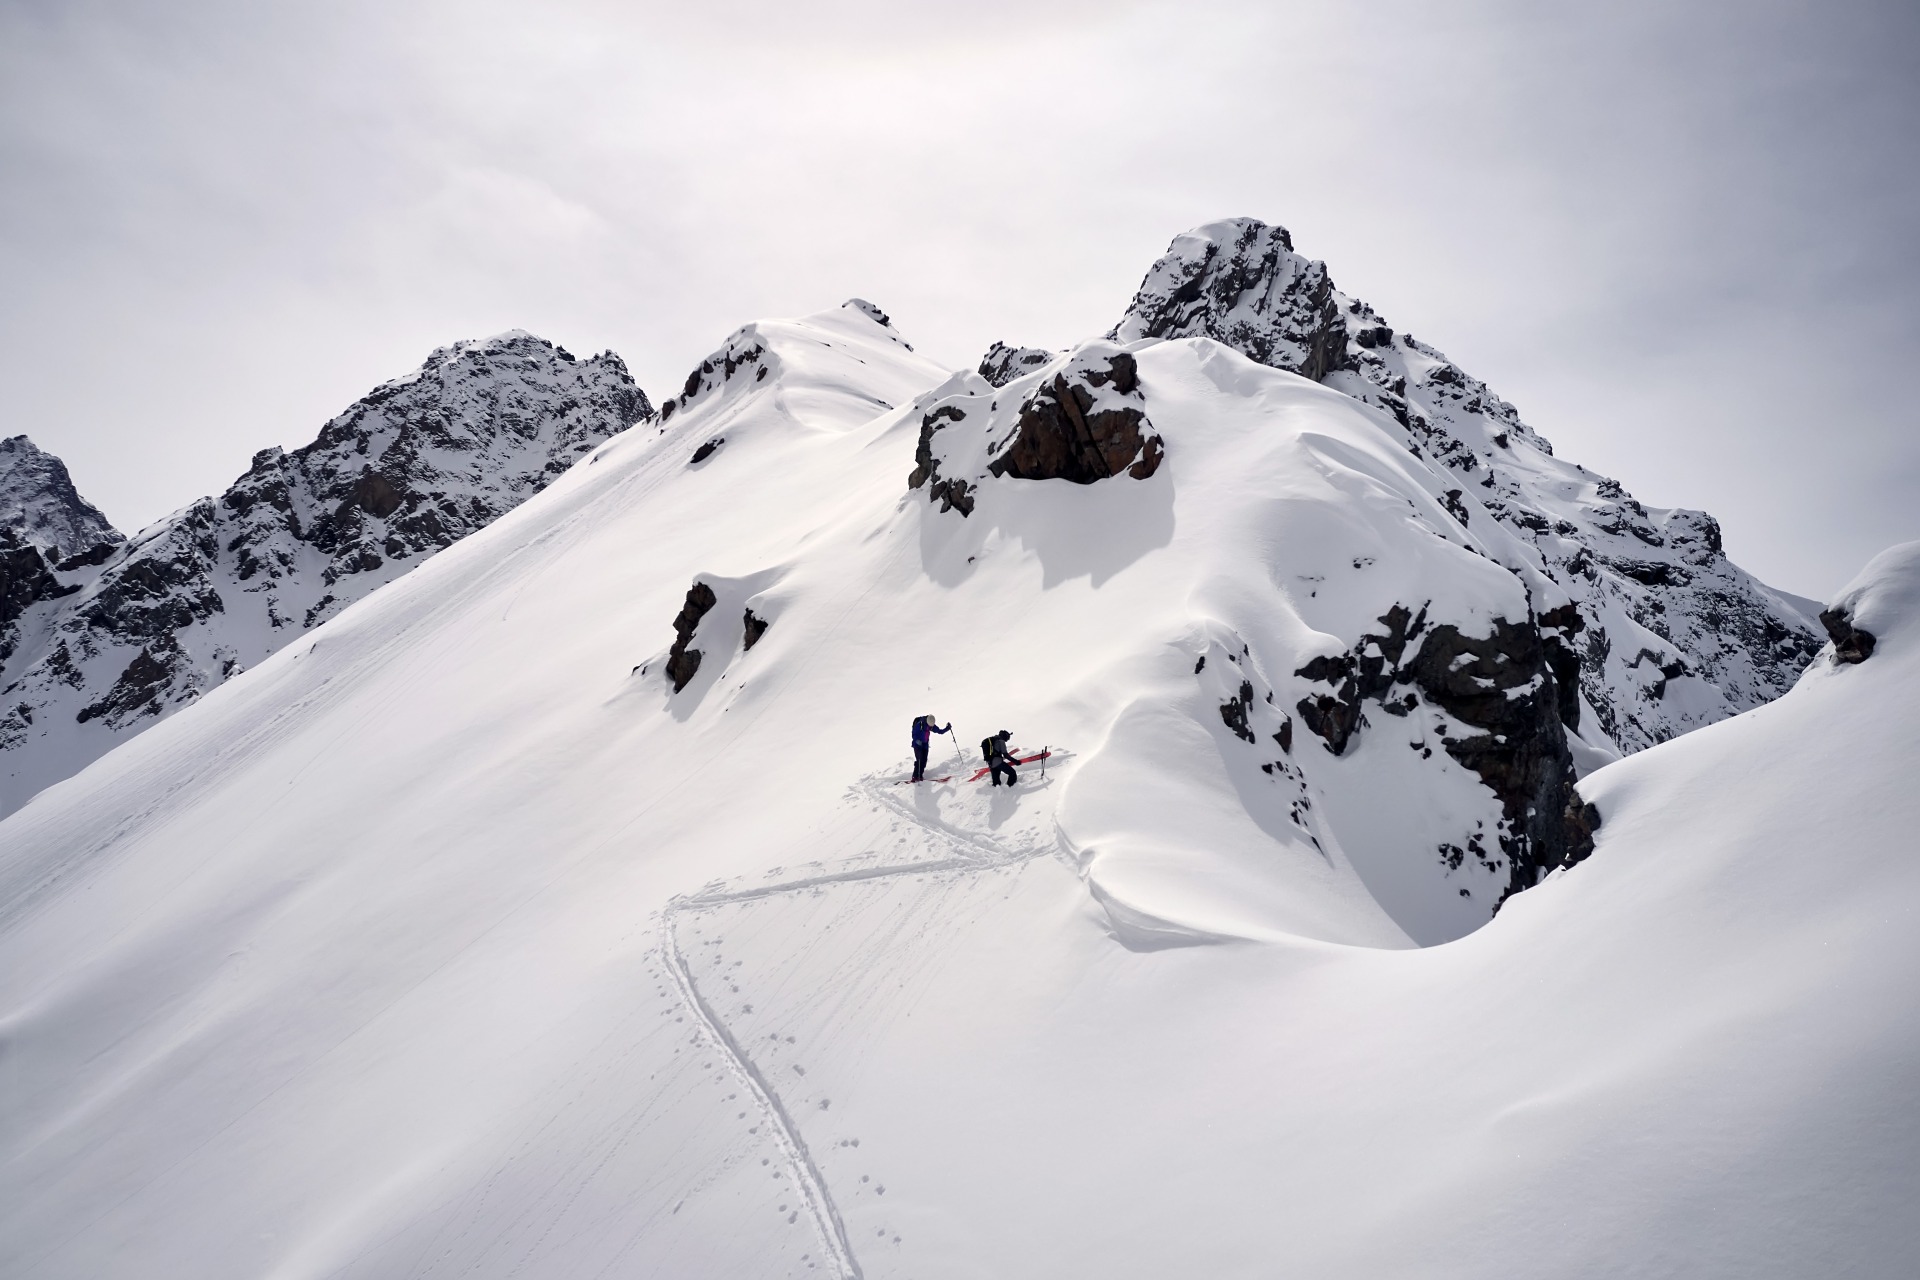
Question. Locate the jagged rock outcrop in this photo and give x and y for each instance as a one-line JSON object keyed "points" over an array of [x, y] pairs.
{"points": [[1086, 423], [1081, 418], [1851, 645], [126, 635], [1500, 692], [1675, 635], [683, 660], [1002, 363]]}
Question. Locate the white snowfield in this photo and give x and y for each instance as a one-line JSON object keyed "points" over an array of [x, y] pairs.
{"points": [[449, 942]]}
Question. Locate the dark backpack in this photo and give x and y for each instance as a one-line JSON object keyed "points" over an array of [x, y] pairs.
{"points": [[989, 748]]}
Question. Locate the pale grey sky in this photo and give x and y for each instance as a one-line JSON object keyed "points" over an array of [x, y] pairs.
{"points": [[1680, 236]]}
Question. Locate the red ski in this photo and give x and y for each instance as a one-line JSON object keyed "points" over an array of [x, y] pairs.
{"points": [[984, 770]]}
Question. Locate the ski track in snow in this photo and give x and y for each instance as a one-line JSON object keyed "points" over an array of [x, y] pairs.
{"points": [[973, 853]]}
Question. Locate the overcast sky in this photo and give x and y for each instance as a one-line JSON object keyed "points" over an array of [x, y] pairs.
{"points": [[1681, 237]]}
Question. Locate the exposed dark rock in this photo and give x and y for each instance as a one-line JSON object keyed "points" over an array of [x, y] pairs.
{"points": [[1240, 283], [1067, 431], [376, 495], [706, 451], [1002, 363], [1234, 712], [25, 580], [1333, 719], [138, 690], [1558, 627], [98, 554], [683, 660], [40, 504], [753, 628], [743, 351], [1850, 643], [1503, 686], [1581, 821]]}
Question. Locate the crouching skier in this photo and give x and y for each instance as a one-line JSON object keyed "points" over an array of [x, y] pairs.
{"points": [[998, 758], [923, 726]]}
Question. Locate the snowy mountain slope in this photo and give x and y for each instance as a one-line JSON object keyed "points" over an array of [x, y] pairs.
{"points": [[132, 631], [1675, 634], [452, 939]]}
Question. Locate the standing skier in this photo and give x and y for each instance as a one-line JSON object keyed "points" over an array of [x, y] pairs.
{"points": [[998, 758], [923, 726]]}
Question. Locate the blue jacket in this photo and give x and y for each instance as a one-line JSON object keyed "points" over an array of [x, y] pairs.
{"points": [[922, 726]]}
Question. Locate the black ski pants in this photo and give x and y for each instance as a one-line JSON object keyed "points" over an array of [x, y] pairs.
{"points": [[1002, 765], [919, 762]]}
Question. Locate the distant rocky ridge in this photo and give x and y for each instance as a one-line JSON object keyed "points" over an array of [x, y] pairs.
{"points": [[100, 637], [1673, 635]]}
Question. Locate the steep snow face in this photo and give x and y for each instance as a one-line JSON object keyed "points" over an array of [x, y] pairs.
{"points": [[455, 939], [1675, 635], [138, 629], [39, 503]]}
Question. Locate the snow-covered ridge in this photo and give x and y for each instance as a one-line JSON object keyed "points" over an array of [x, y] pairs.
{"points": [[141, 629], [1674, 634]]}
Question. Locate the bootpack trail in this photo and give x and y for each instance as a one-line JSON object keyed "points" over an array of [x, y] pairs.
{"points": [[967, 853]]}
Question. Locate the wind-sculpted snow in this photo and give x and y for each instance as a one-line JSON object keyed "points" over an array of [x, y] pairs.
{"points": [[138, 629], [454, 940], [1675, 635]]}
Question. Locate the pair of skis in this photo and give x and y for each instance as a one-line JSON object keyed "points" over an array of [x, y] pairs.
{"points": [[984, 770]]}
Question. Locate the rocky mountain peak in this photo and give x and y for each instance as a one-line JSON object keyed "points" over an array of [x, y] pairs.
{"points": [[123, 635], [1675, 635], [39, 503], [1240, 282]]}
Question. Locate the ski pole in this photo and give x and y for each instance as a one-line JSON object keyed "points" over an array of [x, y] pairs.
{"points": [[1044, 752]]}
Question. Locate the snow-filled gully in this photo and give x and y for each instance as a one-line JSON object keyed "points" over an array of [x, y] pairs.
{"points": [[972, 853]]}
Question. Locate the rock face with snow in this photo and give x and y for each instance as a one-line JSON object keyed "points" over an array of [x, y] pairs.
{"points": [[45, 525], [39, 505], [1084, 419], [1673, 635], [1002, 363], [130, 631]]}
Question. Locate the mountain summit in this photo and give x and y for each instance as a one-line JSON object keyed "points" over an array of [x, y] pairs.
{"points": [[1674, 635], [131, 630], [39, 504]]}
